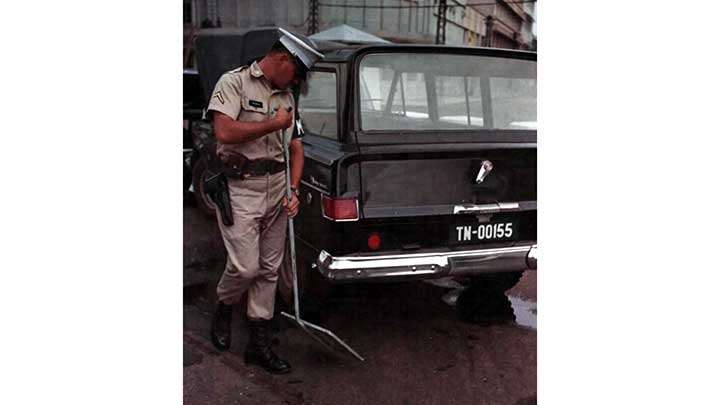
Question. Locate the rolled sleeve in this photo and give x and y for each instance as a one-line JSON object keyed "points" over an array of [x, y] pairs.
{"points": [[227, 96]]}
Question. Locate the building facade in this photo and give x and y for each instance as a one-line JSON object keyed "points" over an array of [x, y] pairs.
{"points": [[509, 24], [501, 24]]}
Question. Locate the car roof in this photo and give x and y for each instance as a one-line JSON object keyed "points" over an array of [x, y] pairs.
{"points": [[338, 53]]}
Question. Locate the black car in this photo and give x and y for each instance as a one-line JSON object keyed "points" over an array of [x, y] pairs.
{"points": [[193, 104], [420, 163], [198, 140]]}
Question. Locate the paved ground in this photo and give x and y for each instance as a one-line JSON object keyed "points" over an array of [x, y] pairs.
{"points": [[203, 250], [416, 350]]}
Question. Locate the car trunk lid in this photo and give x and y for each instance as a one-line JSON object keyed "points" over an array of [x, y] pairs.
{"points": [[400, 182]]}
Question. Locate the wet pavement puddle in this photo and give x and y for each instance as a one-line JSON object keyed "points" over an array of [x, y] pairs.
{"points": [[525, 312], [491, 308]]}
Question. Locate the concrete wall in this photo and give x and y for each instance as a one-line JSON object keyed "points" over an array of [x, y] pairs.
{"points": [[400, 24], [529, 25]]}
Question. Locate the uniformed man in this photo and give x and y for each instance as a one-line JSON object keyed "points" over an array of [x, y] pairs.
{"points": [[251, 109]]}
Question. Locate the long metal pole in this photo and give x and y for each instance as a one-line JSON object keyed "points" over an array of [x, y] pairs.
{"points": [[291, 230], [296, 296]]}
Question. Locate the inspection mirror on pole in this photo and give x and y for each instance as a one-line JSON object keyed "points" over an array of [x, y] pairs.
{"points": [[324, 336]]}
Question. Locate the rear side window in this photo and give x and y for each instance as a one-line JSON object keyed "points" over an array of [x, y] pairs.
{"points": [[318, 104]]}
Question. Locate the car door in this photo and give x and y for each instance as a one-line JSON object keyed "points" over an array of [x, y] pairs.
{"points": [[319, 108]]}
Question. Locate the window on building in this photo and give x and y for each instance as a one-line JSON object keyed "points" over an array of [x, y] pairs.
{"points": [[318, 104]]}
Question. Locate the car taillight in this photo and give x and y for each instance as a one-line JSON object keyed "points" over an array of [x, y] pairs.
{"points": [[374, 241], [340, 209]]}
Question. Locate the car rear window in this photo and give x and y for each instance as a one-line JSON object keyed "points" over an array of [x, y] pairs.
{"points": [[423, 91]]}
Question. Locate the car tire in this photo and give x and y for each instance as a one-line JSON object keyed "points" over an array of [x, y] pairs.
{"points": [[187, 178], [203, 201], [500, 282], [187, 181], [484, 306]]}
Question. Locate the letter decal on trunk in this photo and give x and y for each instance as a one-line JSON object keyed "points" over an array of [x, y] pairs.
{"points": [[317, 183]]}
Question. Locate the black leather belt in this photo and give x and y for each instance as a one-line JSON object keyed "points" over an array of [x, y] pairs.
{"points": [[256, 168], [263, 167]]}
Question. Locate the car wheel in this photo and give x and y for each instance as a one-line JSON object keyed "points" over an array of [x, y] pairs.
{"points": [[187, 180], [203, 201], [187, 177], [484, 306], [496, 281]]}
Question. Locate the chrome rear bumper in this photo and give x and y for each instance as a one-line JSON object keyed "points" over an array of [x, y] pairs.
{"points": [[432, 264]]}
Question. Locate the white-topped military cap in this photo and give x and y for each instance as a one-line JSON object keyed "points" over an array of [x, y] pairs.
{"points": [[300, 47]]}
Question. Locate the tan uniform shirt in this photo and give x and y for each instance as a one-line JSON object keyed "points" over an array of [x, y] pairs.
{"points": [[245, 94]]}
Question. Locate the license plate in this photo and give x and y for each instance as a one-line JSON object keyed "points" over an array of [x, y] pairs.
{"points": [[482, 233]]}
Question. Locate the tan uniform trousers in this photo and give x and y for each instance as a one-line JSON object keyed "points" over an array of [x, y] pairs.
{"points": [[255, 244]]}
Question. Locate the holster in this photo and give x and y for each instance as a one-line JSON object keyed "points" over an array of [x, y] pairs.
{"points": [[234, 165], [215, 183], [216, 187]]}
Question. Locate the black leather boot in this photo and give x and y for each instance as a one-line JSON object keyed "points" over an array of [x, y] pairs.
{"points": [[258, 350], [221, 323]]}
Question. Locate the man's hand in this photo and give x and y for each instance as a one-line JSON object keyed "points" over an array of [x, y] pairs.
{"points": [[283, 118], [294, 207]]}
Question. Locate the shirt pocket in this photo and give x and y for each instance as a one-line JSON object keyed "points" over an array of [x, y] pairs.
{"points": [[256, 108]]}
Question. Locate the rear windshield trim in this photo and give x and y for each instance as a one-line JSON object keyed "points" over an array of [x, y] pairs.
{"points": [[447, 136]]}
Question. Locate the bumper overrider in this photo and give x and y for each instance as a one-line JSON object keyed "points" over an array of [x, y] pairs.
{"points": [[431, 264]]}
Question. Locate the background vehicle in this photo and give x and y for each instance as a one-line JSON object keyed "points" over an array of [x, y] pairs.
{"points": [[420, 162], [194, 162]]}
